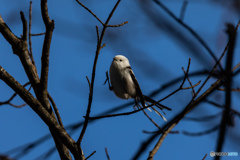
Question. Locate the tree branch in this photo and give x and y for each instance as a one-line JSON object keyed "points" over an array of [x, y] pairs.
{"points": [[99, 47], [8, 35], [50, 121], [49, 25], [226, 119]]}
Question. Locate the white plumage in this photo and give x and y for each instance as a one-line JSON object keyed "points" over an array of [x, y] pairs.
{"points": [[125, 84]]}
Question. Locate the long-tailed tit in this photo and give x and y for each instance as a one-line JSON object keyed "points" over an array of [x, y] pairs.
{"points": [[125, 84]]}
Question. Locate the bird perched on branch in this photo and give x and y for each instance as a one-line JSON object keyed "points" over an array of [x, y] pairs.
{"points": [[125, 85]]}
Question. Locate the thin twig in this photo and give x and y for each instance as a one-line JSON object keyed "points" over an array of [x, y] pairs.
{"points": [[90, 155], [106, 151], [193, 91], [17, 106], [120, 114], [24, 22], [160, 129], [38, 34], [94, 15], [30, 34], [205, 157], [183, 10], [89, 85], [13, 96], [55, 110]]}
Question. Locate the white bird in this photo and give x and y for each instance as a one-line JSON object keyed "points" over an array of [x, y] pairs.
{"points": [[125, 85]]}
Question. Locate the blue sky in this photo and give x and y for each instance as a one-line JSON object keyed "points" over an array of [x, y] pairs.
{"points": [[156, 56]]}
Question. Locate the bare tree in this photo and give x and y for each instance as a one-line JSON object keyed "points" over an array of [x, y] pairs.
{"points": [[42, 103]]}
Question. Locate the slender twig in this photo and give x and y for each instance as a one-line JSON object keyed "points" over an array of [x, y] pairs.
{"points": [[13, 96], [205, 157], [97, 30], [181, 86], [90, 155], [38, 34], [160, 129], [88, 81], [30, 34], [183, 9], [24, 21], [55, 109], [193, 90], [235, 67], [94, 15], [106, 151], [104, 24], [120, 114], [17, 106]]}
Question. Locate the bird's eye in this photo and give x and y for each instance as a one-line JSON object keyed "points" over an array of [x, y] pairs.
{"points": [[120, 60]]}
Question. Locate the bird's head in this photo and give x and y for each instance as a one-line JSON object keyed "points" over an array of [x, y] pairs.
{"points": [[121, 60]]}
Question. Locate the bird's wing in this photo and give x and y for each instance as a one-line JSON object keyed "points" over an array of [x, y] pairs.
{"points": [[138, 89]]}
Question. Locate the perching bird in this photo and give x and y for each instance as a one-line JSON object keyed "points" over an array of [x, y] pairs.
{"points": [[125, 85]]}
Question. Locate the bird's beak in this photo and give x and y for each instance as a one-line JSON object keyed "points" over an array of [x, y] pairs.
{"points": [[114, 58]]}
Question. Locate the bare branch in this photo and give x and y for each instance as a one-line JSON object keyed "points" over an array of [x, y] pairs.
{"points": [[38, 34], [24, 21], [90, 155], [205, 157], [30, 34], [13, 96], [157, 146], [49, 24], [160, 129], [8, 35], [226, 119], [55, 109], [106, 151], [99, 47], [183, 9], [39, 109], [94, 15]]}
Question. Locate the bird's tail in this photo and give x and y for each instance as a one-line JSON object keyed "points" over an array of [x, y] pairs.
{"points": [[158, 105]]}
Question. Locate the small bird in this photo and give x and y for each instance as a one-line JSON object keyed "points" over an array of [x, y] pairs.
{"points": [[125, 85]]}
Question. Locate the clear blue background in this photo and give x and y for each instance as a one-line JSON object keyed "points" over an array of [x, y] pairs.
{"points": [[156, 55]]}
